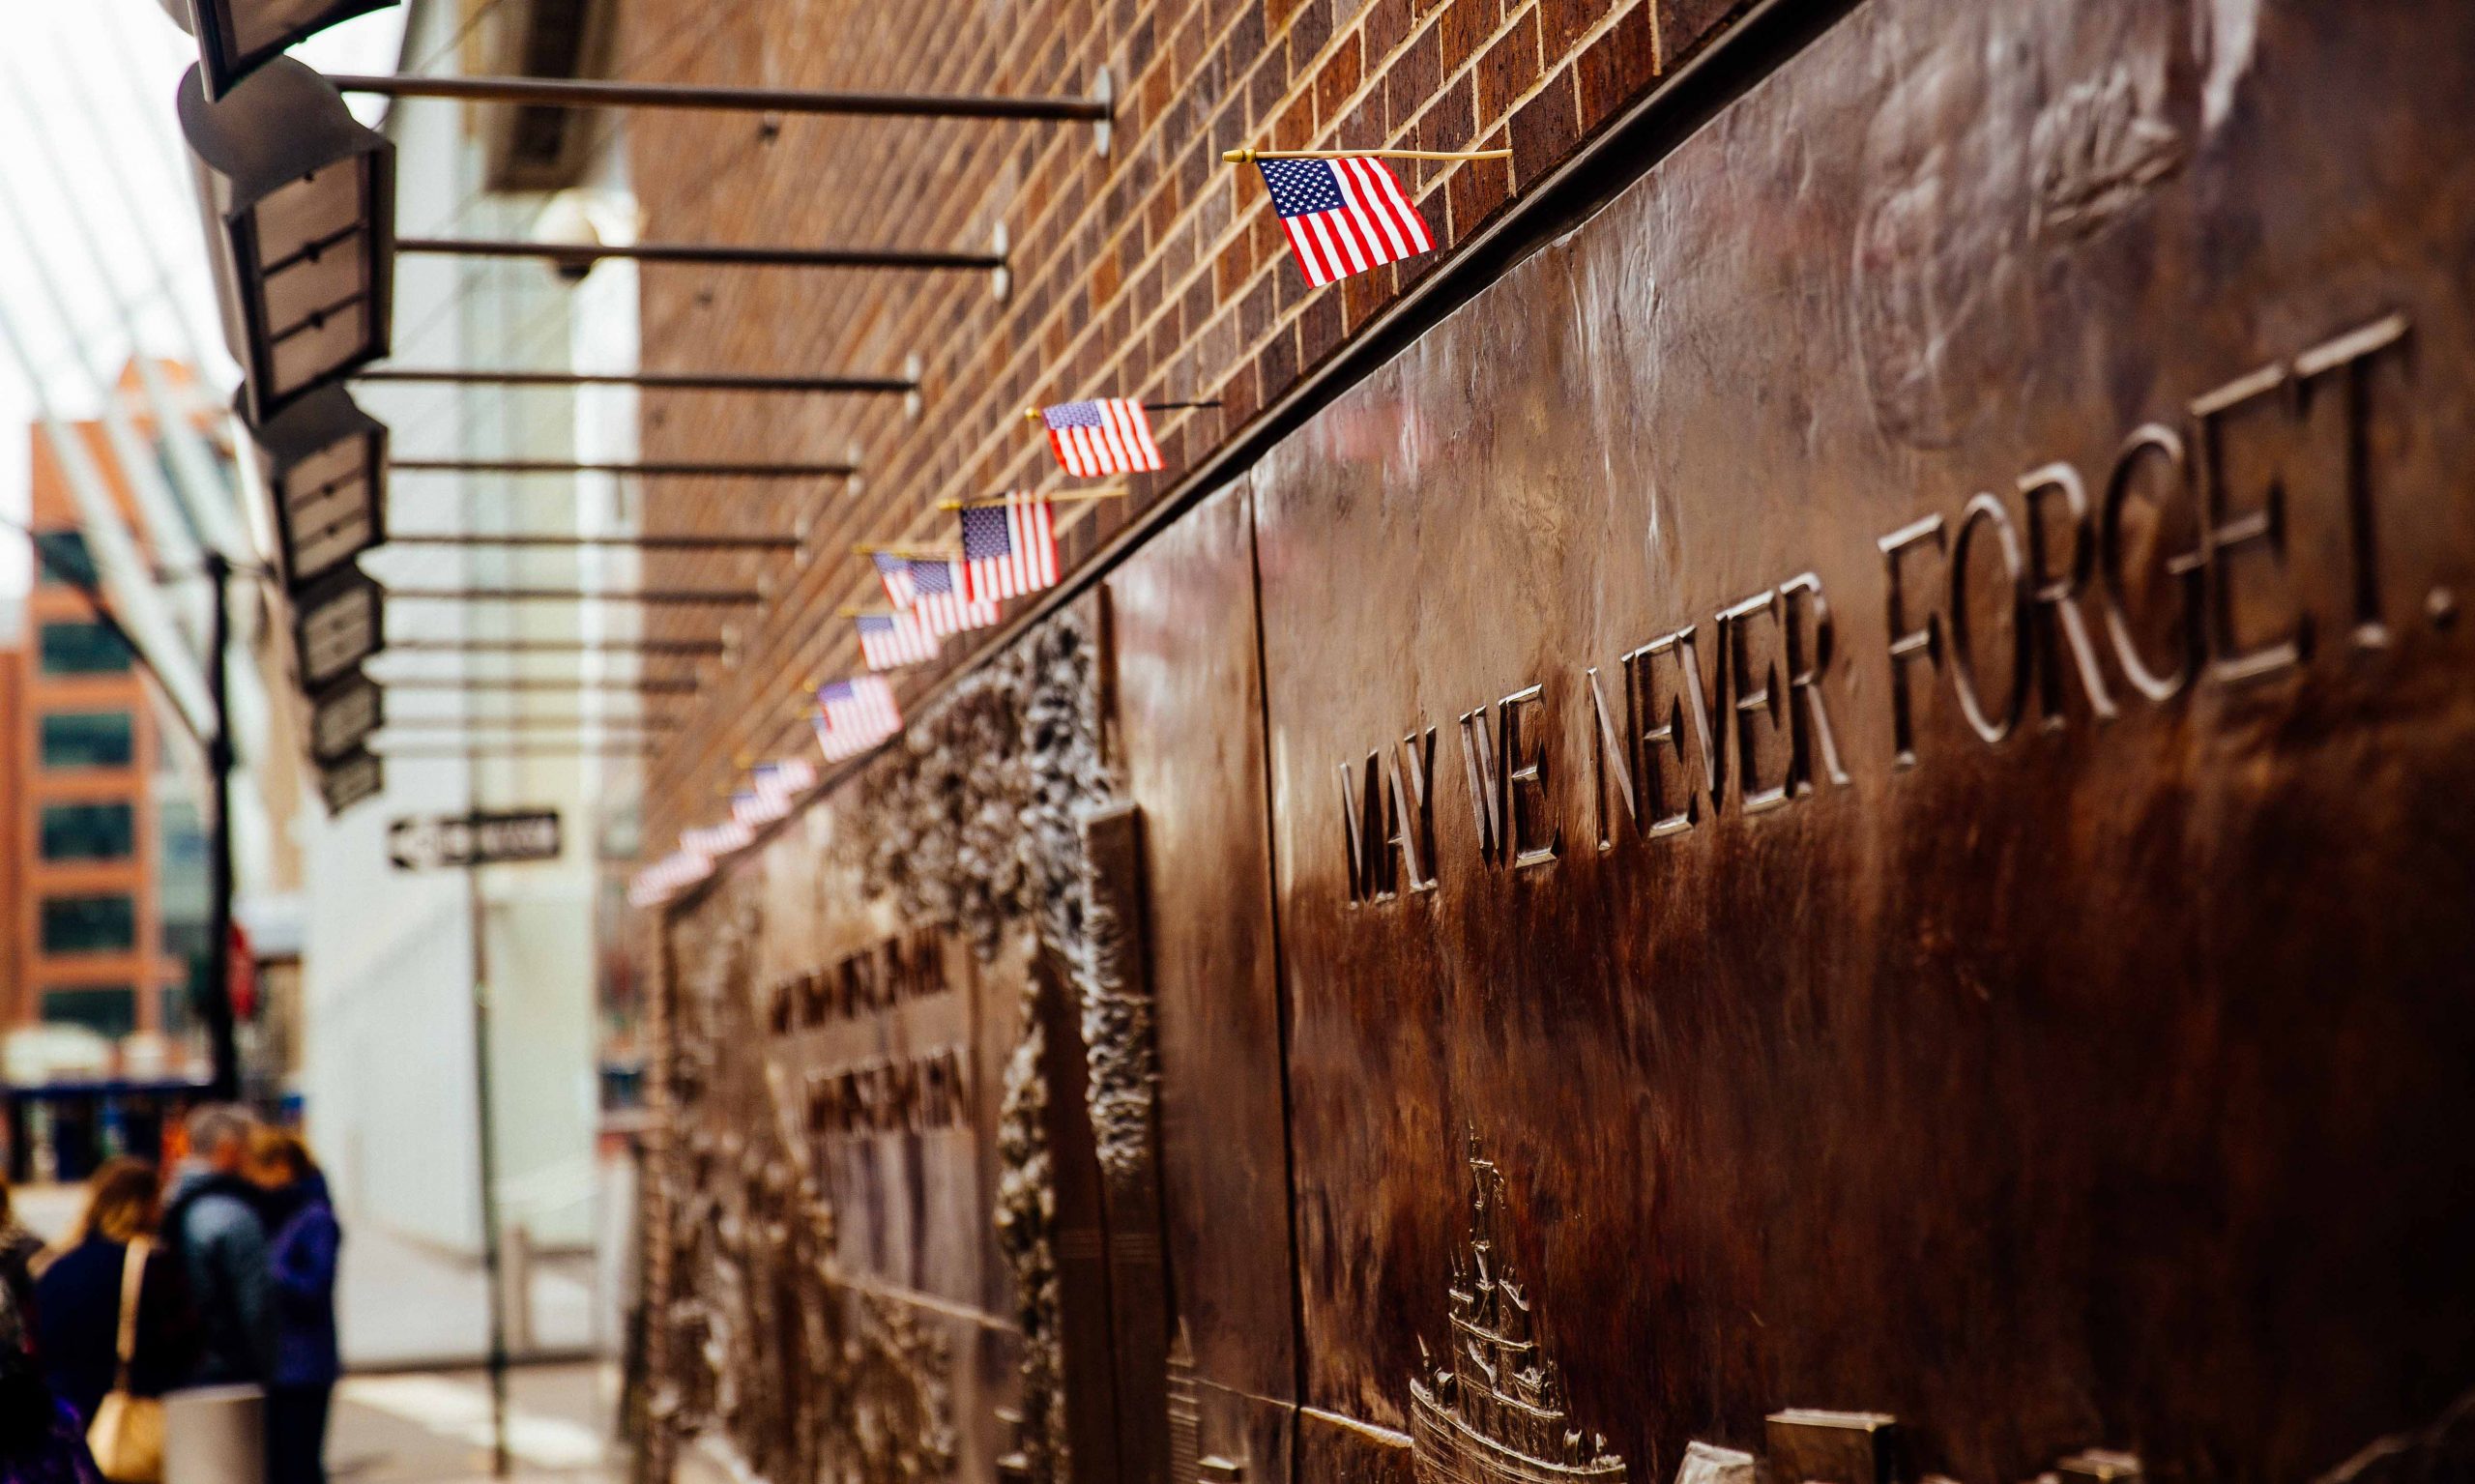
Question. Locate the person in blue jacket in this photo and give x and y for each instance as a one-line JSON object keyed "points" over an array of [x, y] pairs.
{"points": [[216, 1228], [302, 1246]]}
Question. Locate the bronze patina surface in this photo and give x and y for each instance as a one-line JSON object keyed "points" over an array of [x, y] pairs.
{"points": [[2077, 400], [1825, 838]]}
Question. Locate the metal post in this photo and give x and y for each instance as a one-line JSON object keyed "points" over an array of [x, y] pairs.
{"points": [[711, 254], [661, 381], [485, 1127], [216, 997], [563, 93], [731, 471]]}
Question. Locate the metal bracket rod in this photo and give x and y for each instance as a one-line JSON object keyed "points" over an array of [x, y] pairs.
{"points": [[721, 255], [576, 685], [615, 747], [646, 470], [669, 380], [645, 542], [670, 596], [585, 93], [553, 646], [631, 722]]}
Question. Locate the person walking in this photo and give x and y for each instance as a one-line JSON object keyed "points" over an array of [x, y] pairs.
{"points": [[215, 1226], [303, 1253], [80, 1296], [19, 1246], [42, 1438]]}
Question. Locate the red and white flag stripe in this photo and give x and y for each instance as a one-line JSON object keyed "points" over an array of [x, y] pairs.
{"points": [[1011, 549], [1114, 437], [892, 640], [1376, 224]]}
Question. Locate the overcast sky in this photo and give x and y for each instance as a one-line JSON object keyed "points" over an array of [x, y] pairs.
{"points": [[86, 98]]}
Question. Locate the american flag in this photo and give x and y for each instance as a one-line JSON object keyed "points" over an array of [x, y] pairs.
{"points": [[853, 715], [1344, 216], [895, 572], [785, 780], [1009, 550], [1108, 436], [888, 641], [940, 602], [715, 840], [754, 810], [658, 882]]}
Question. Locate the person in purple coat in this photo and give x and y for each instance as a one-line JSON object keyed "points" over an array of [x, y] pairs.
{"points": [[302, 1246]]}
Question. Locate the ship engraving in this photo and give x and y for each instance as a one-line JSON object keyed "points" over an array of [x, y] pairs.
{"points": [[1493, 1410]]}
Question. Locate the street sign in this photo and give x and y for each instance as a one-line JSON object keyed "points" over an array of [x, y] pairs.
{"points": [[343, 716], [473, 839], [349, 779]]}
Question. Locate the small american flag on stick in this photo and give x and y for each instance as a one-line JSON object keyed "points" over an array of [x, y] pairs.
{"points": [[716, 840], [894, 572], [940, 602], [888, 641], [1009, 549], [853, 715], [1108, 436], [660, 880], [785, 780], [754, 810], [1344, 216]]}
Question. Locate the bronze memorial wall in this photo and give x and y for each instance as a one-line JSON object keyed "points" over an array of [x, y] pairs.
{"points": [[1825, 836]]}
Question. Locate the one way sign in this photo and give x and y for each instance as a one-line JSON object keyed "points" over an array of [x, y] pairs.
{"points": [[473, 839]]}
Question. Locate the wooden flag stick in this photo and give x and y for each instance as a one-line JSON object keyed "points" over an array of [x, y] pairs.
{"points": [[1061, 497], [871, 548], [1249, 156], [1033, 413]]}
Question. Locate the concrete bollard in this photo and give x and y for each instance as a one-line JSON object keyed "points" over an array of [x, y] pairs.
{"points": [[215, 1435]]}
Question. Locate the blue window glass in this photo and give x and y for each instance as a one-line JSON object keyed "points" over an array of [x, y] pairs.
{"points": [[83, 649], [88, 831], [107, 1010], [63, 560], [89, 924], [88, 740]]}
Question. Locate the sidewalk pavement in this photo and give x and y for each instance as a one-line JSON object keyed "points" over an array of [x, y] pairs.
{"points": [[434, 1427]]}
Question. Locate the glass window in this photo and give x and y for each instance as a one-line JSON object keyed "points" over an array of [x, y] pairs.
{"points": [[87, 740], [89, 924], [175, 1009], [185, 939], [107, 1010], [63, 555], [89, 831], [83, 649]]}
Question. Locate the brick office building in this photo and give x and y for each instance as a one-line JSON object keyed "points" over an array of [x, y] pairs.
{"points": [[1777, 817], [107, 861]]}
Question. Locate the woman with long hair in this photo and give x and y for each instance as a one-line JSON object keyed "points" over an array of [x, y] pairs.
{"points": [[79, 1296]]}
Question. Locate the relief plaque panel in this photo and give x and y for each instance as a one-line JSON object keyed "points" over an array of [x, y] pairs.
{"points": [[1887, 723], [1188, 714]]}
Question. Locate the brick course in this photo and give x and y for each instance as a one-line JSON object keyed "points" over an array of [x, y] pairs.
{"points": [[1157, 271]]}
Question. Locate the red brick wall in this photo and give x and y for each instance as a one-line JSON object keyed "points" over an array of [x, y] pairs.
{"points": [[1159, 271]]}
